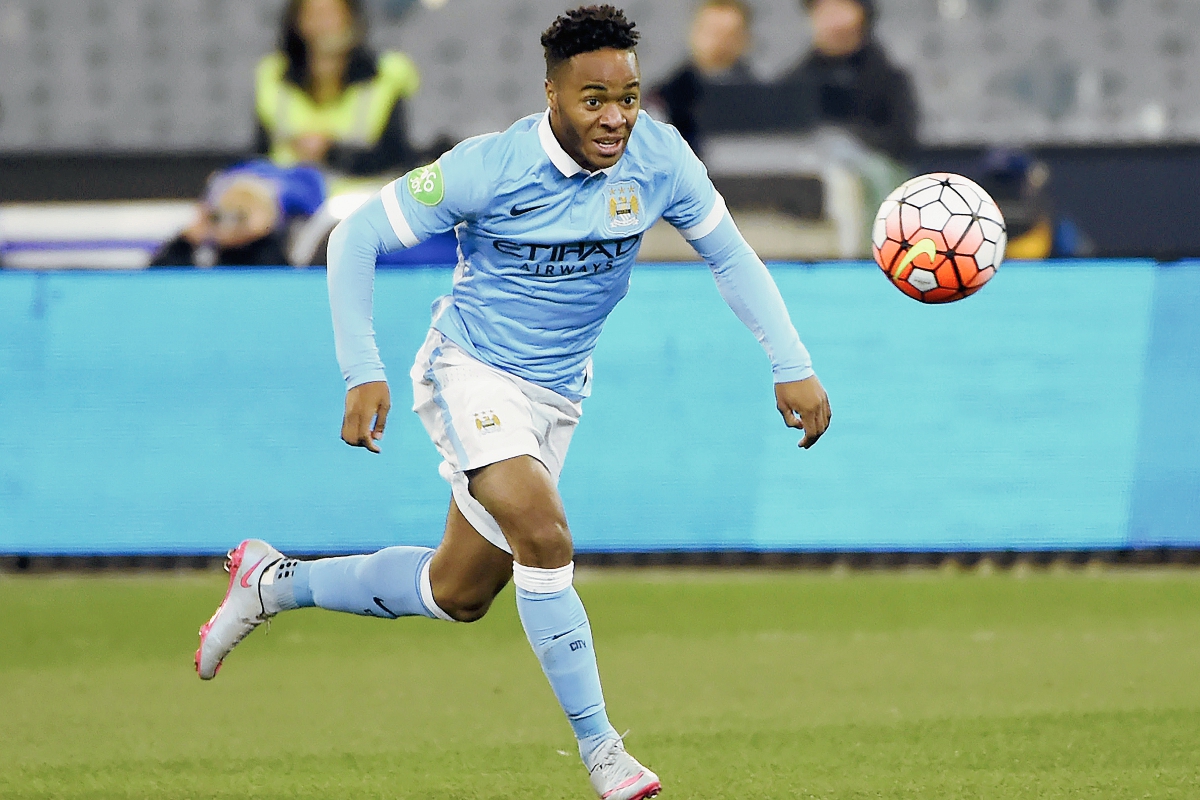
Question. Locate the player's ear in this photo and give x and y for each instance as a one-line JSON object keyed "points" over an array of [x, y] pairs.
{"points": [[550, 93]]}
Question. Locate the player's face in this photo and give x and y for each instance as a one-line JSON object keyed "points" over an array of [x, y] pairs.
{"points": [[594, 100]]}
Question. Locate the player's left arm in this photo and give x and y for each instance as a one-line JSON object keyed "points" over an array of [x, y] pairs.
{"points": [[750, 291], [700, 215]]}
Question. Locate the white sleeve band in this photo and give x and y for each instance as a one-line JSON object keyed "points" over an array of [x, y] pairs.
{"points": [[543, 581], [391, 207], [709, 223]]}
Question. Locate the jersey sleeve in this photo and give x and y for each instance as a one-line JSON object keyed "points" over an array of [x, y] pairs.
{"points": [[433, 199], [696, 207]]}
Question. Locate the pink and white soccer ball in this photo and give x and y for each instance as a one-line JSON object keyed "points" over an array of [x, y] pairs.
{"points": [[939, 237]]}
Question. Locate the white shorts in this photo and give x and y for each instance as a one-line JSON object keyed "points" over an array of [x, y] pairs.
{"points": [[478, 415]]}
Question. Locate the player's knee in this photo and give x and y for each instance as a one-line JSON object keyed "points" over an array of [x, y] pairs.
{"points": [[545, 544], [466, 606]]}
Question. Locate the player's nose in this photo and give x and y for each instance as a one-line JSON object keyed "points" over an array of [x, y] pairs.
{"points": [[612, 118]]}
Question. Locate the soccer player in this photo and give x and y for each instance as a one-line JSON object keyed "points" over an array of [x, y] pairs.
{"points": [[549, 215]]}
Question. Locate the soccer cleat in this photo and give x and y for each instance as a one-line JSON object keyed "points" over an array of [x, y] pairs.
{"points": [[243, 608], [616, 775]]}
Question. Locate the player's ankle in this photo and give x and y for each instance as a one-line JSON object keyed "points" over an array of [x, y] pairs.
{"points": [[285, 586], [590, 743]]}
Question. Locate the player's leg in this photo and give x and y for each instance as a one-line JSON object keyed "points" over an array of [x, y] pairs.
{"points": [[522, 496], [457, 581], [465, 574]]}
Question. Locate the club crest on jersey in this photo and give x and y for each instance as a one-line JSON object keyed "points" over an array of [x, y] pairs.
{"points": [[624, 206], [487, 422]]}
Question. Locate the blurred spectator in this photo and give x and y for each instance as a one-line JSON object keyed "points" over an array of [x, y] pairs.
{"points": [[719, 39], [849, 81], [244, 217], [327, 99], [1019, 184]]}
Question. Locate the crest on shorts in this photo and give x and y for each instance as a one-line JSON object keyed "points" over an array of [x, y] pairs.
{"points": [[487, 422], [624, 205]]}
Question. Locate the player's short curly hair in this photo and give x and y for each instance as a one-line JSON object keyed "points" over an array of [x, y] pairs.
{"points": [[586, 29]]}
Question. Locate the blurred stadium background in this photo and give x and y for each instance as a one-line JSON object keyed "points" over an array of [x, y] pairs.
{"points": [[173, 412]]}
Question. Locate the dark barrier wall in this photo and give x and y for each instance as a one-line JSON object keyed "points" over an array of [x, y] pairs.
{"points": [[180, 412]]}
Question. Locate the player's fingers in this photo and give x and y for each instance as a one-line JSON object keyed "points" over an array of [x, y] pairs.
{"points": [[810, 437], [791, 417], [356, 432], [380, 422], [817, 423], [350, 428]]}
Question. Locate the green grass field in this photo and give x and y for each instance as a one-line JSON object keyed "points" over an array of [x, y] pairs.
{"points": [[734, 685]]}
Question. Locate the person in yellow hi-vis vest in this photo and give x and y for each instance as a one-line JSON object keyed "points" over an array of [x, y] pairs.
{"points": [[326, 99]]}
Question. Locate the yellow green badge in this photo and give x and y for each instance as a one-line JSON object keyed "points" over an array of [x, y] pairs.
{"points": [[425, 184]]}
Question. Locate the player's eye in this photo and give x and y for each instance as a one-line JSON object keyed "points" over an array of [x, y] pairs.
{"points": [[592, 102], [630, 99]]}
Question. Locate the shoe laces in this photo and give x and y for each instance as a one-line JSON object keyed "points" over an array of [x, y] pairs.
{"points": [[613, 749]]}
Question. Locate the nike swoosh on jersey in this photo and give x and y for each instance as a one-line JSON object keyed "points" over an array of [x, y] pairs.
{"points": [[925, 247], [518, 211], [246, 575]]}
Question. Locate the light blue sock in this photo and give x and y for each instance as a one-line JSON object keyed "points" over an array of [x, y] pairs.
{"points": [[558, 629], [391, 583]]}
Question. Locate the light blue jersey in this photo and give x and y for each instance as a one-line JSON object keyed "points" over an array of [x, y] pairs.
{"points": [[546, 249]]}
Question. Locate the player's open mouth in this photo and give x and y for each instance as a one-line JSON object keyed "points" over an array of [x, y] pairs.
{"points": [[610, 147]]}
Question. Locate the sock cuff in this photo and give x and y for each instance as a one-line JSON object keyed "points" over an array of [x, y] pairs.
{"points": [[425, 588], [543, 581]]}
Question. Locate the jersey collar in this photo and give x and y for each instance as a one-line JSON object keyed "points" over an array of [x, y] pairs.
{"points": [[566, 165]]}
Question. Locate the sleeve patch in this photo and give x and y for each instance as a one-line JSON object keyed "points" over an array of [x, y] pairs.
{"points": [[425, 184]]}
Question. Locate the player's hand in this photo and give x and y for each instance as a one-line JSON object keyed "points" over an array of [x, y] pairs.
{"points": [[805, 405], [367, 408]]}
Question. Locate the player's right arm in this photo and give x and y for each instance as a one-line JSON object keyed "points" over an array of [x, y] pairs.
{"points": [[427, 201]]}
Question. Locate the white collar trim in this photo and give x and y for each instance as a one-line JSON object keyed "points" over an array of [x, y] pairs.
{"points": [[558, 157]]}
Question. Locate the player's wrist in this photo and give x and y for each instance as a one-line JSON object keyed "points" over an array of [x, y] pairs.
{"points": [[370, 376], [793, 374]]}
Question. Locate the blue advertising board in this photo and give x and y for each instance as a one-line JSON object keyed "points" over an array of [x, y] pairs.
{"points": [[181, 411]]}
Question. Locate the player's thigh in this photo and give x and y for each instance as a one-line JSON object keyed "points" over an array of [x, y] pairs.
{"points": [[467, 571], [521, 495]]}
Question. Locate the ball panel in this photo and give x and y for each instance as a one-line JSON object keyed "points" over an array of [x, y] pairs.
{"points": [[972, 238], [947, 275], [917, 184], [983, 277], [887, 255], [934, 216], [879, 231], [955, 231], [910, 221], [992, 230], [922, 279], [908, 289], [967, 269], [924, 197], [942, 295], [955, 202], [893, 225]]}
